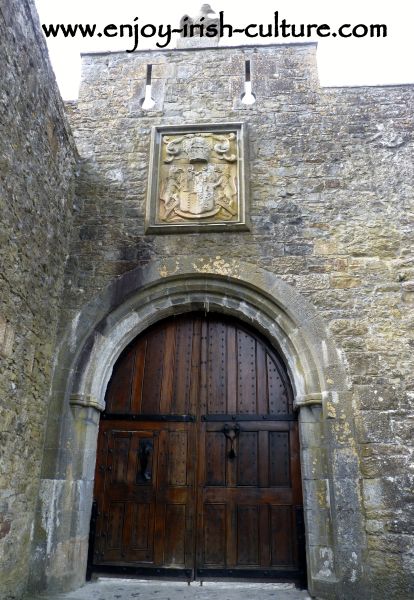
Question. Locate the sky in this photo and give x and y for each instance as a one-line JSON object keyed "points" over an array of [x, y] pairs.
{"points": [[341, 62]]}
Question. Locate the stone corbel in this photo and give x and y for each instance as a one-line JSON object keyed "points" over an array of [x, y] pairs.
{"points": [[86, 401], [308, 400]]}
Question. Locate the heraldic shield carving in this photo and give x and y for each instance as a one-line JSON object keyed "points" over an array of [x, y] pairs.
{"points": [[197, 178]]}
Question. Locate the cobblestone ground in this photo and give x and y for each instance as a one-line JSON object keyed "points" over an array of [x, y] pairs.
{"points": [[124, 589]]}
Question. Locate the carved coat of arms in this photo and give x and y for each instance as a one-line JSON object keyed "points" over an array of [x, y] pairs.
{"points": [[198, 179]]}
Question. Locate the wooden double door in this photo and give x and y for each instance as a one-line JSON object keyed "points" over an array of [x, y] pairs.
{"points": [[198, 469]]}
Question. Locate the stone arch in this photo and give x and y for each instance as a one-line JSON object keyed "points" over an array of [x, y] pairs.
{"points": [[141, 297], [136, 300]]}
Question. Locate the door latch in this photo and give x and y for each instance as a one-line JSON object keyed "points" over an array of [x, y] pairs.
{"points": [[145, 456], [231, 432]]}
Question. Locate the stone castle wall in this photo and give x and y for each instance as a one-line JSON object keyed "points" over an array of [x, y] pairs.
{"points": [[37, 158], [330, 200]]}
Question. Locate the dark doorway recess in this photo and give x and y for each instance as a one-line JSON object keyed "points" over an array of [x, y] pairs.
{"points": [[198, 471]]}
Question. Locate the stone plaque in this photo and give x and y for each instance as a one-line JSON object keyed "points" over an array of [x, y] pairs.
{"points": [[197, 178]]}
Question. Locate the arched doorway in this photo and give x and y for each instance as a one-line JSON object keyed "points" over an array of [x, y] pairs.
{"points": [[198, 471]]}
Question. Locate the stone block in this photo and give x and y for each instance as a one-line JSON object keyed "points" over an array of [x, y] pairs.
{"points": [[379, 460], [384, 496], [345, 463], [321, 561], [316, 494], [314, 463], [311, 434], [378, 397], [374, 426], [319, 527]]}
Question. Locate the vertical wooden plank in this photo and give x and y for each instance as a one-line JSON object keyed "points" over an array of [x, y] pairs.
{"points": [[261, 378], [281, 536], [263, 459], [214, 535], [136, 394], [115, 525], [120, 456], [216, 459], [246, 366], [248, 536], [139, 545], [118, 394], [279, 463], [194, 399], [231, 360], [159, 526], [264, 536], [177, 458], [136, 532], [231, 533], [168, 368], [127, 538], [203, 369], [192, 452], [191, 523], [216, 367], [200, 489], [133, 463], [182, 375], [153, 372], [278, 397], [148, 553], [175, 520], [247, 459], [140, 522]]}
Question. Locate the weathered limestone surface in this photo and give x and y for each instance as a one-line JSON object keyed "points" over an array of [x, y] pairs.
{"points": [[37, 157], [331, 209]]}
